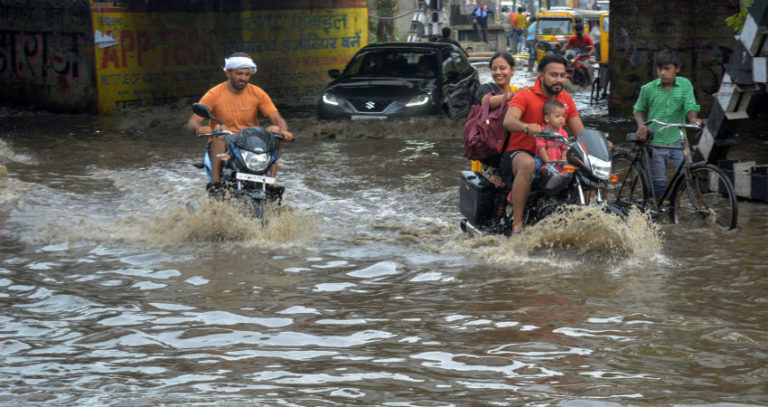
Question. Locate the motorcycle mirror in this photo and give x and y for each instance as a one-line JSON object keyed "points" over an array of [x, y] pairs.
{"points": [[204, 112]]}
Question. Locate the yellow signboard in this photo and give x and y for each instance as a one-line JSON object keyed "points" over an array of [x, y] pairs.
{"points": [[145, 59]]}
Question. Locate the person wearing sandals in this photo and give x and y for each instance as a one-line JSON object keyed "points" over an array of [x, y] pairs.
{"points": [[525, 113], [500, 91]]}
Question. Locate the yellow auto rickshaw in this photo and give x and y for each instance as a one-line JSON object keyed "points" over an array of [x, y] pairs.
{"points": [[558, 24], [604, 31]]}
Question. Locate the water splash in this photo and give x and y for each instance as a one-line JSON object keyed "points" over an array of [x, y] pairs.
{"points": [[9, 196], [230, 221], [577, 229], [9, 155], [214, 221]]}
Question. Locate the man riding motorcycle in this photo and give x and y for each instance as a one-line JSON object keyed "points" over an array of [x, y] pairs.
{"points": [[237, 103], [580, 42], [523, 121]]}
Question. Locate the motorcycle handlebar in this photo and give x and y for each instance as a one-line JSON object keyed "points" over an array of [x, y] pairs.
{"points": [[215, 133], [276, 135], [227, 132], [550, 135]]}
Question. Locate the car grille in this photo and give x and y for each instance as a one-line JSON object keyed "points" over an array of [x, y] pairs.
{"points": [[368, 104]]}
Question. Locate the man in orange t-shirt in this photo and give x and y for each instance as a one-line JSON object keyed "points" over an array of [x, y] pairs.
{"points": [[523, 121], [237, 103]]}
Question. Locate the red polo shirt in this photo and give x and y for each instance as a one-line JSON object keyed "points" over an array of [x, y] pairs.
{"points": [[531, 102]]}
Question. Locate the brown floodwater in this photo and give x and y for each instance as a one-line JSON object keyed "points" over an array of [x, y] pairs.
{"points": [[361, 289]]}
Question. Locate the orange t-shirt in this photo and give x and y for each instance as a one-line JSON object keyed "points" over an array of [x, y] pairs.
{"points": [[531, 102], [238, 110]]}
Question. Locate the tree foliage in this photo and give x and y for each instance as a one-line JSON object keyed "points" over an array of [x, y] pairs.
{"points": [[736, 21]]}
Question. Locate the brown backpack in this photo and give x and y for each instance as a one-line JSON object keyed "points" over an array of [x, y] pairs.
{"points": [[484, 132]]}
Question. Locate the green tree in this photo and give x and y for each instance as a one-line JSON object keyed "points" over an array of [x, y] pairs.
{"points": [[736, 21]]}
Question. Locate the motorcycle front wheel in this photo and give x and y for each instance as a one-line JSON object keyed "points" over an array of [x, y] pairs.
{"points": [[633, 187], [258, 209], [580, 78]]}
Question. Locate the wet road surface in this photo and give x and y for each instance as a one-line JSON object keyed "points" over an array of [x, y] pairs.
{"points": [[361, 290]]}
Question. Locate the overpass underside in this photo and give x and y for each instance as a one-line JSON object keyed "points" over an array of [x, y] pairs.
{"points": [[97, 56]]}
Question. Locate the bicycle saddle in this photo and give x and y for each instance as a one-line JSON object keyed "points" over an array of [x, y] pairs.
{"points": [[633, 138]]}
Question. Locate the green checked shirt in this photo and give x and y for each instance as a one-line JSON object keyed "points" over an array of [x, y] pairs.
{"points": [[669, 107]]}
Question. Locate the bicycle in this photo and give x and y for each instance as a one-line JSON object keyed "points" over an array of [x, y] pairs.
{"points": [[699, 194]]}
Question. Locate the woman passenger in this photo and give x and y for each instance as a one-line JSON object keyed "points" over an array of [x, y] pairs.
{"points": [[502, 68]]}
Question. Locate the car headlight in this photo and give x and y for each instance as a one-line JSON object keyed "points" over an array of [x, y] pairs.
{"points": [[418, 100], [329, 99], [601, 168], [257, 162]]}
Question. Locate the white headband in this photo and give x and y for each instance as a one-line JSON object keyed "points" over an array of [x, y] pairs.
{"points": [[239, 62]]}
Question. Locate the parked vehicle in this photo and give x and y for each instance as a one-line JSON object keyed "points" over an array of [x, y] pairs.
{"points": [[579, 180], [604, 37], [245, 171], [401, 79], [602, 81]]}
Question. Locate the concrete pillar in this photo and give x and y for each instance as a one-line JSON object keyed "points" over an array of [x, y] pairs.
{"points": [[46, 54], [695, 29]]}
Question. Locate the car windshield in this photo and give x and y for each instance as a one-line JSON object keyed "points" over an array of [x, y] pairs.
{"points": [[554, 26], [391, 62]]}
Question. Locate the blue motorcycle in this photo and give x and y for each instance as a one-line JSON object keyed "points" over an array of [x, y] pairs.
{"points": [[245, 170]]}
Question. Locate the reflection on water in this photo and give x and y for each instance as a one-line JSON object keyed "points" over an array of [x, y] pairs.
{"points": [[360, 290]]}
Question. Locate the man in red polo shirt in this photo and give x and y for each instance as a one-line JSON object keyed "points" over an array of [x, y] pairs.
{"points": [[523, 120]]}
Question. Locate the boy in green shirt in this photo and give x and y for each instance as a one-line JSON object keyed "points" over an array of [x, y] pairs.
{"points": [[668, 99]]}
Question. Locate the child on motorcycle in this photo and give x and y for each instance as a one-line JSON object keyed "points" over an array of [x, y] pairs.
{"points": [[554, 119]]}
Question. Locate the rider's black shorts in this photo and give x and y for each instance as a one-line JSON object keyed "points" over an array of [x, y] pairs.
{"points": [[506, 165]]}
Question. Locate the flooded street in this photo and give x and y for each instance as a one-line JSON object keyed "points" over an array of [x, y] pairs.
{"points": [[361, 290]]}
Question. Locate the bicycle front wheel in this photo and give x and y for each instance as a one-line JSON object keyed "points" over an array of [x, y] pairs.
{"points": [[706, 199], [632, 189]]}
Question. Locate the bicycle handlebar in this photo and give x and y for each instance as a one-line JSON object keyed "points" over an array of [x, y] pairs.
{"points": [[678, 125]]}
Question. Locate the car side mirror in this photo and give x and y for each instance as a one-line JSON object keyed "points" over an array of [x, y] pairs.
{"points": [[334, 73]]}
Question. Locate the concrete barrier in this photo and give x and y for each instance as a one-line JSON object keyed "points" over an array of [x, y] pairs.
{"points": [[750, 180]]}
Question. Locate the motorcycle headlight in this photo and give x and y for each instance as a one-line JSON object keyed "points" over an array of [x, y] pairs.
{"points": [[257, 162], [330, 99], [418, 100], [601, 168]]}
